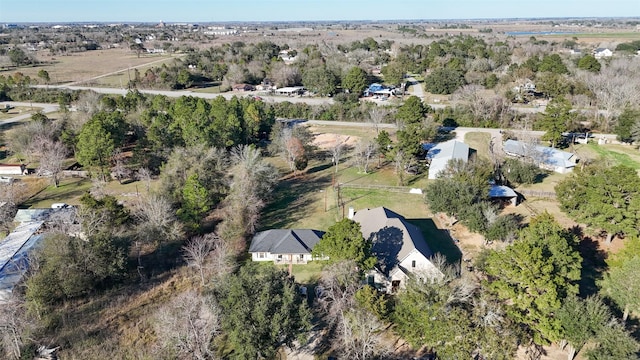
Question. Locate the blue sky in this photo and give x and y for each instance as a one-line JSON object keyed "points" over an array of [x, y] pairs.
{"points": [[287, 10]]}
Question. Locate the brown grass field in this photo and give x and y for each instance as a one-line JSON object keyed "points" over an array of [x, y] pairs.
{"points": [[87, 65]]}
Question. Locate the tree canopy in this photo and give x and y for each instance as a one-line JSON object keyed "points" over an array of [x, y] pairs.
{"points": [[355, 81], [535, 274], [556, 119], [99, 138], [444, 81], [344, 241], [607, 199], [261, 311]]}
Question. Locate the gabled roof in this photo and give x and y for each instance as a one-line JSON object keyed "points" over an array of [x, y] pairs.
{"points": [[500, 191], [451, 149], [440, 155], [285, 241], [393, 237], [544, 154]]}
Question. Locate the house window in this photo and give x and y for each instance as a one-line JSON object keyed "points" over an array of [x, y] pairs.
{"points": [[301, 256], [413, 263], [262, 255], [279, 257], [370, 280]]}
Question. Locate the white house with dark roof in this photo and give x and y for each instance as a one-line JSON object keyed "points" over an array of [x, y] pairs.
{"points": [[442, 153], [600, 53], [545, 157], [284, 246], [399, 246]]}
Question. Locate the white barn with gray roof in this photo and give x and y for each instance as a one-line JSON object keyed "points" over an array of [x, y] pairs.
{"points": [[399, 246], [442, 153], [284, 246], [545, 157]]}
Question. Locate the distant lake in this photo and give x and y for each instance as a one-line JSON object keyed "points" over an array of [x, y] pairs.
{"points": [[531, 33]]}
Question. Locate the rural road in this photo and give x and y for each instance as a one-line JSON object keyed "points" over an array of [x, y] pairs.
{"points": [[46, 108], [179, 93], [416, 90]]}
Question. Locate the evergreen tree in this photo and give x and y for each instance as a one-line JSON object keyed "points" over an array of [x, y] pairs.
{"points": [[535, 274]]}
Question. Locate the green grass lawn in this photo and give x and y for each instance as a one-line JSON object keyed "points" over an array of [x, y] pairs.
{"points": [[479, 141], [306, 274], [618, 154], [69, 191], [19, 110]]}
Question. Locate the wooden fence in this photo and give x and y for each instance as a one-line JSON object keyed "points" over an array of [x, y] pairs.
{"points": [[396, 189], [539, 194]]}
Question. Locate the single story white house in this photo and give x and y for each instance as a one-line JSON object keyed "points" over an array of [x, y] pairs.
{"points": [[545, 157], [13, 169], [442, 153], [599, 53], [399, 246], [284, 246]]}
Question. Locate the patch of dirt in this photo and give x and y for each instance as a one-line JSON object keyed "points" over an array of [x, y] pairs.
{"points": [[328, 141]]}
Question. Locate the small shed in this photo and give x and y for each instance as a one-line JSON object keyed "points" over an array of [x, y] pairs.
{"points": [[503, 193]]}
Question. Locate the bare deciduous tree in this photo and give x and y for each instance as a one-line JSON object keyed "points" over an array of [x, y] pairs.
{"points": [[363, 153], [15, 327], [337, 149], [120, 169], [251, 184], [187, 325], [361, 336], [144, 174], [52, 157], [377, 116], [209, 255]]}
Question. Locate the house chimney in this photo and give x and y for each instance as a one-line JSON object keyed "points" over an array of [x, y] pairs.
{"points": [[351, 213]]}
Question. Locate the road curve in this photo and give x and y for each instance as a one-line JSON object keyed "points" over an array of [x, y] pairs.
{"points": [[46, 108]]}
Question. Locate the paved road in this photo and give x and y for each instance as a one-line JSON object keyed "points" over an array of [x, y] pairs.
{"points": [[45, 109], [179, 93], [416, 90]]}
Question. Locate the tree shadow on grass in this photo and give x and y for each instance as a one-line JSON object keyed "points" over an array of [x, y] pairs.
{"points": [[439, 240], [593, 263], [62, 193]]}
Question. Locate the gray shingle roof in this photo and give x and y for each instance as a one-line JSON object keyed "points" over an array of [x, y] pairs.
{"points": [[285, 241], [393, 237]]}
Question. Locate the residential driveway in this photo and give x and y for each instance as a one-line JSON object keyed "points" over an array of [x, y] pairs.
{"points": [[416, 88]]}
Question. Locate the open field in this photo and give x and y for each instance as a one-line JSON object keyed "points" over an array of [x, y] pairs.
{"points": [[82, 66]]}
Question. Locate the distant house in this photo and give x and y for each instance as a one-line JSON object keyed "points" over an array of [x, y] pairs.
{"points": [[378, 89], [599, 53], [13, 169], [243, 87], [399, 246], [284, 246], [576, 52], [545, 157], [290, 91], [440, 155]]}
